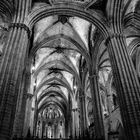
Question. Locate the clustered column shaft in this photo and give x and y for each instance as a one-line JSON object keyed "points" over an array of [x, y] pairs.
{"points": [[83, 120], [21, 106], [98, 118], [11, 75], [127, 85], [11, 69]]}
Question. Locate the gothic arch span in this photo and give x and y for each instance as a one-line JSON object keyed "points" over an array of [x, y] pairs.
{"points": [[48, 89], [80, 49], [66, 67], [47, 103], [133, 45], [57, 81], [49, 93], [90, 15]]}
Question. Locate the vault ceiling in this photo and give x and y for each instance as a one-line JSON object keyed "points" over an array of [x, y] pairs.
{"points": [[60, 42]]}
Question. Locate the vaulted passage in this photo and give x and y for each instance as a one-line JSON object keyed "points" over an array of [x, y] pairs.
{"points": [[69, 69]]}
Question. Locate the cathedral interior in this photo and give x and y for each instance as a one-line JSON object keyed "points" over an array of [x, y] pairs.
{"points": [[70, 69]]}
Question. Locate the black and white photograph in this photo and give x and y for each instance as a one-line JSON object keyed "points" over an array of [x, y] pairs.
{"points": [[69, 69]]}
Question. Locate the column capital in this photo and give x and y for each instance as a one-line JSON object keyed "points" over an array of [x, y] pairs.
{"points": [[113, 35], [21, 25]]}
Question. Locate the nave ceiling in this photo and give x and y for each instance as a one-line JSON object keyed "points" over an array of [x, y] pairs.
{"points": [[60, 46]]}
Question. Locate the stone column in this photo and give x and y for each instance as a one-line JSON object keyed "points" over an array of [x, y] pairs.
{"points": [[40, 133], [23, 111], [127, 84], [55, 131], [73, 123], [27, 116], [81, 117], [82, 113], [67, 121], [75, 120], [124, 74], [43, 128], [69, 116], [35, 118], [97, 38], [12, 67], [98, 118], [21, 105]]}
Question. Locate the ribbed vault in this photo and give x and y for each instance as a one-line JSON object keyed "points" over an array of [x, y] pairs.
{"points": [[66, 48], [60, 56]]}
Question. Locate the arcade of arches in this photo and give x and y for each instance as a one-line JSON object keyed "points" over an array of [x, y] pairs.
{"points": [[70, 69]]}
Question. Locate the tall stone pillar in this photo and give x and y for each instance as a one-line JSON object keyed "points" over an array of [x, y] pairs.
{"points": [[94, 86], [55, 131], [21, 105], [69, 117], [81, 117], [27, 115], [35, 121], [127, 84], [67, 120], [12, 67], [69, 125], [73, 123], [40, 132], [124, 74], [98, 118], [82, 113]]}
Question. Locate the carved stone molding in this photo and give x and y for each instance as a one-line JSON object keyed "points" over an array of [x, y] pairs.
{"points": [[21, 25], [115, 35]]}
